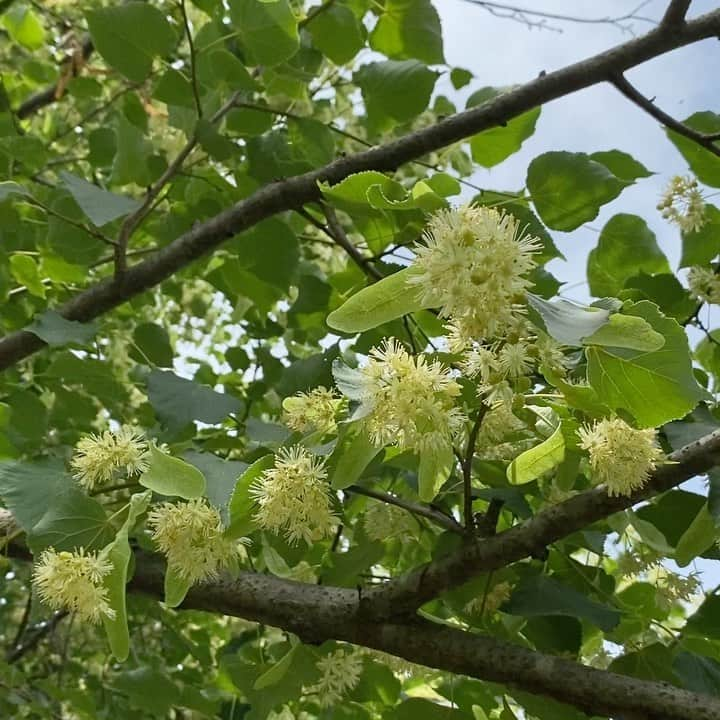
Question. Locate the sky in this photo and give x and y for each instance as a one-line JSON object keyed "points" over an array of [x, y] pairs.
{"points": [[504, 52]]}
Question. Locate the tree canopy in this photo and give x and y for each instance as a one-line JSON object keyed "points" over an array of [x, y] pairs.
{"points": [[294, 421]]}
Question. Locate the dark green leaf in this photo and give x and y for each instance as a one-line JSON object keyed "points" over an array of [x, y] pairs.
{"points": [[702, 246], [99, 205], [337, 33], [702, 162], [697, 673], [622, 165], [153, 345], [268, 30], [56, 331], [220, 478]]}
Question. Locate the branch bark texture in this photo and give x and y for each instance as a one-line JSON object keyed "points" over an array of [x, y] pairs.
{"points": [[297, 191]]}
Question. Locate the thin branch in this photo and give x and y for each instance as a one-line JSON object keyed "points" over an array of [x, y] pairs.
{"points": [[22, 625], [635, 96], [438, 517], [300, 190], [675, 13], [193, 58], [337, 233], [42, 631], [467, 472]]}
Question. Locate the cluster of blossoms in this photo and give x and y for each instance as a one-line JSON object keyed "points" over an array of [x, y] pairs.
{"points": [[190, 535], [383, 521], [473, 266], [340, 673], [682, 204], [704, 283], [98, 458], [313, 411], [621, 457], [294, 496], [491, 602], [407, 401], [502, 435], [74, 581]]}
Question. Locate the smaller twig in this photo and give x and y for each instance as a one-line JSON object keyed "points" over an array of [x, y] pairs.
{"points": [[487, 523], [337, 232], [438, 517], [89, 229], [193, 59], [40, 633], [23, 621], [466, 464], [635, 96], [674, 17]]}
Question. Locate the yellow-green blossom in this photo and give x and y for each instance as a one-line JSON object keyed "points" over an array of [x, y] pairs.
{"points": [[190, 535], [621, 457], [473, 266], [316, 410], [294, 497], [74, 581], [340, 673], [704, 283], [411, 402], [383, 521], [682, 203], [98, 458]]}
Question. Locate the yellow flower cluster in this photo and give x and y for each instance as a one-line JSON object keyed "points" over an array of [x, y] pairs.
{"points": [[383, 521], [340, 673], [97, 458], [410, 401], [621, 457], [473, 266], [682, 204], [498, 595], [294, 497], [190, 535], [704, 283], [74, 581], [316, 410]]}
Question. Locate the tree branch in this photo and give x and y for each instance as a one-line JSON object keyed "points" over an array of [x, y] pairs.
{"points": [[635, 96], [675, 14], [299, 190], [406, 594]]}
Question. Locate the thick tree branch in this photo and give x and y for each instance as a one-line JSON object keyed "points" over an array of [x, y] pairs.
{"points": [[635, 96], [302, 189], [404, 595], [675, 13]]}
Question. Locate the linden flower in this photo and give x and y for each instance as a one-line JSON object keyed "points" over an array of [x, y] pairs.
{"points": [[315, 410], [411, 401], [472, 267], [383, 521], [74, 581], [493, 601], [341, 672], [682, 204], [514, 360], [98, 457], [190, 535], [704, 283], [294, 497], [621, 457]]}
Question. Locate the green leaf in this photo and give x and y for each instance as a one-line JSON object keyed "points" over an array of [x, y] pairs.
{"points": [[568, 322], [24, 27], [351, 192], [27, 488], [99, 205], [542, 595], [568, 189], [56, 331], [421, 709], [435, 468], [268, 30], [622, 165], [72, 520], [129, 36], [167, 475], [626, 331], [665, 291], [174, 88], [626, 247], [702, 162], [388, 299], [148, 689], [25, 270], [654, 387], [409, 29], [178, 401], [176, 588], [337, 33], [241, 503], [153, 345], [353, 453], [276, 673], [492, 146], [702, 246], [396, 89], [8, 188], [118, 554], [536, 461], [698, 673], [650, 534], [701, 535], [220, 479]]}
